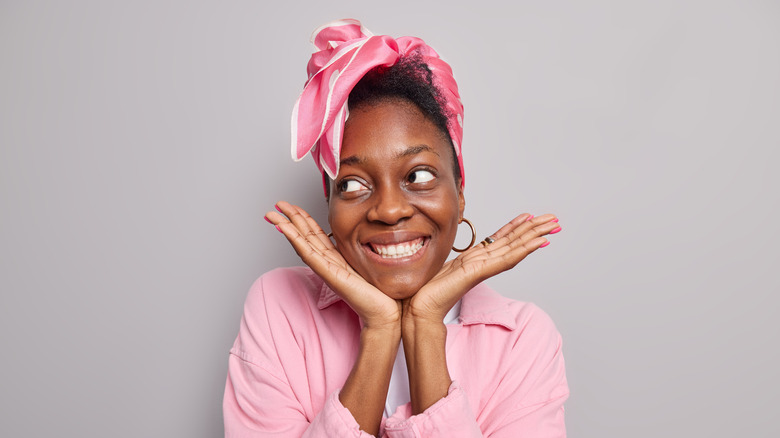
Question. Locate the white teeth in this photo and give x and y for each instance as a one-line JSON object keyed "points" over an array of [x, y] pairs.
{"points": [[398, 251]]}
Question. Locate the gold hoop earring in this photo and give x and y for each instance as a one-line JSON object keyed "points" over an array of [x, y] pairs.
{"points": [[473, 236]]}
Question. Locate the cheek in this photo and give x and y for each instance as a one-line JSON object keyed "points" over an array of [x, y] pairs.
{"points": [[342, 220], [444, 211], [336, 215], [450, 222]]}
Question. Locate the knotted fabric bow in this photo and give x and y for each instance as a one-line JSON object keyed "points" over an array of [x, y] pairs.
{"points": [[347, 51]]}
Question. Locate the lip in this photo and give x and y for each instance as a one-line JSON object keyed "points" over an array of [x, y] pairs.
{"points": [[394, 238]]}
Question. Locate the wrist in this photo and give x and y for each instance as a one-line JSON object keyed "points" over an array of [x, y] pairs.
{"points": [[423, 328], [412, 315], [389, 334], [386, 319], [424, 341]]}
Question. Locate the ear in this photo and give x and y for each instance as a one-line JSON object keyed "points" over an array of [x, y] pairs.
{"points": [[326, 185], [461, 203]]}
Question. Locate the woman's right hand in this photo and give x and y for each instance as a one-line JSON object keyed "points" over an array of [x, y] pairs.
{"points": [[313, 246], [381, 315]]}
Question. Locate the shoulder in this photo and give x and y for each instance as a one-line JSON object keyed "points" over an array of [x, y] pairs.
{"points": [[282, 287], [283, 298], [277, 302], [524, 342], [521, 331], [296, 276], [483, 305]]}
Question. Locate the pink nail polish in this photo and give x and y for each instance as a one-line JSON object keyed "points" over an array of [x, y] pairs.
{"points": [[544, 244], [554, 220], [530, 217], [278, 229], [278, 209], [555, 230], [267, 220]]}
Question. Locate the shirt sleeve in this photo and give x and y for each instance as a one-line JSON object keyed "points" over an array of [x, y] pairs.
{"points": [[538, 412], [449, 417], [544, 420], [259, 399], [452, 417], [259, 404]]}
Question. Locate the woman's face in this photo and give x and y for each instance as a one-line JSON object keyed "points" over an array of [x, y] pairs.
{"points": [[395, 205]]}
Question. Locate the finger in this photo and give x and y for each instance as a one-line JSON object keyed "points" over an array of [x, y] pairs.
{"points": [[516, 234], [280, 215], [281, 222], [293, 215], [503, 231], [509, 256], [535, 232], [275, 218], [303, 222], [314, 226], [302, 246], [514, 223], [329, 264], [542, 219], [307, 237], [300, 239], [517, 253], [534, 227], [521, 224]]}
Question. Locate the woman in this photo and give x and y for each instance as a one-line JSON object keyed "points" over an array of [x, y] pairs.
{"points": [[380, 334]]}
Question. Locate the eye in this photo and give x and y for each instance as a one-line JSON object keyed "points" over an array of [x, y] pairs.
{"points": [[421, 176], [350, 185]]}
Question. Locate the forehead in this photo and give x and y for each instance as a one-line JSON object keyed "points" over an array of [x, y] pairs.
{"points": [[388, 128]]}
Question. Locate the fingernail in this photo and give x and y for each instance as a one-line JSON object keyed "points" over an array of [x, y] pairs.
{"points": [[555, 230], [530, 217], [267, 220], [278, 229], [277, 208], [544, 244], [554, 220]]}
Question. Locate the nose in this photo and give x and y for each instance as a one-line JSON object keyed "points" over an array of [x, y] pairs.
{"points": [[390, 206]]}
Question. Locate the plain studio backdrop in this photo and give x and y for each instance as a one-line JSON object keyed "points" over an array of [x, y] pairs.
{"points": [[142, 142]]}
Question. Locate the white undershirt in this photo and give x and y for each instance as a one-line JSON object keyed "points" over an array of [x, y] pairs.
{"points": [[398, 391]]}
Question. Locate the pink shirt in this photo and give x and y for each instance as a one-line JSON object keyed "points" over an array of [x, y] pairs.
{"points": [[298, 342]]}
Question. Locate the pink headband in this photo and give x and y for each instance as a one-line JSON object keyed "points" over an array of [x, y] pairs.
{"points": [[347, 51]]}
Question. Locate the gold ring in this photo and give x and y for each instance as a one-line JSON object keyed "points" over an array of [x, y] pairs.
{"points": [[488, 240]]}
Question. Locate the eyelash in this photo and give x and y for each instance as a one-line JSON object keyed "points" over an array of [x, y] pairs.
{"points": [[422, 169], [347, 181], [344, 181]]}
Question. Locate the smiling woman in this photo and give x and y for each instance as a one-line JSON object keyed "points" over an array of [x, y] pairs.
{"points": [[380, 334], [395, 204]]}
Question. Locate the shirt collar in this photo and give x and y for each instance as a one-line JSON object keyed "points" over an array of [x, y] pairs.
{"points": [[327, 297], [480, 305]]}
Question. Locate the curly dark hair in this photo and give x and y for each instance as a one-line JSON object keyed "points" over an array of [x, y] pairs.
{"points": [[408, 79]]}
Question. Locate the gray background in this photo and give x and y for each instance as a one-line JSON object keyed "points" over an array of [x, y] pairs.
{"points": [[142, 142]]}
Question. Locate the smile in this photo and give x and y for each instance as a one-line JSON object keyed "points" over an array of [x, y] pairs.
{"points": [[398, 250]]}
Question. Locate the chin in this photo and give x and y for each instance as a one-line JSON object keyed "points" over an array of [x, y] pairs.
{"points": [[401, 287], [399, 293]]}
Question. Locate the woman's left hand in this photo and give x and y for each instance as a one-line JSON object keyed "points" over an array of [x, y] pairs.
{"points": [[512, 243]]}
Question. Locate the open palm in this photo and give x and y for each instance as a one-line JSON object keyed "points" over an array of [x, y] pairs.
{"points": [[512, 243], [316, 250]]}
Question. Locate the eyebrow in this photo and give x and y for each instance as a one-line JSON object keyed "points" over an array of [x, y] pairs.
{"points": [[412, 150], [352, 161]]}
